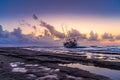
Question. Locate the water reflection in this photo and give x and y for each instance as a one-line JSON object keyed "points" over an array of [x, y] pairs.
{"points": [[19, 69], [104, 57], [80, 52], [113, 74]]}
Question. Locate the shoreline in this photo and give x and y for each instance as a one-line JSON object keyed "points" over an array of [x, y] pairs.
{"points": [[65, 58]]}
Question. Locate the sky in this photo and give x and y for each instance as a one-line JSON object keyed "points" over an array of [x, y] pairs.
{"points": [[100, 16]]}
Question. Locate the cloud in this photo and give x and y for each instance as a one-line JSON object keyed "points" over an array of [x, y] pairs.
{"points": [[16, 37], [12, 37], [24, 23], [117, 37], [71, 33], [49, 27], [75, 33], [3, 34], [107, 36], [34, 28], [46, 33], [52, 29], [93, 36], [35, 17]]}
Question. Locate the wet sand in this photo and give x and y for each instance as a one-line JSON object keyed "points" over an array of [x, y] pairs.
{"points": [[22, 64]]}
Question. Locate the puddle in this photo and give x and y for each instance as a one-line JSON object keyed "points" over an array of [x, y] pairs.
{"points": [[22, 67], [16, 64], [16, 67], [19, 69], [113, 74], [31, 65]]}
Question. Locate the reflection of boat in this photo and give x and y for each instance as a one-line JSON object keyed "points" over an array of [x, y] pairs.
{"points": [[70, 43]]}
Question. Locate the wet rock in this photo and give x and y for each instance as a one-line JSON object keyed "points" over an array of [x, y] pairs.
{"points": [[56, 70], [81, 73], [61, 76], [31, 76], [1, 64], [48, 77], [31, 65], [40, 74]]}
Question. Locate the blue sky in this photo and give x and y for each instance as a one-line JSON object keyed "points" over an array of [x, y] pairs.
{"points": [[14, 8]]}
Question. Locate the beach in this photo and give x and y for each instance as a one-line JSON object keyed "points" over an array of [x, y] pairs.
{"points": [[24, 64]]}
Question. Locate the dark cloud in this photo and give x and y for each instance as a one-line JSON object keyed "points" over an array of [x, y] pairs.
{"points": [[35, 28], [52, 29], [93, 36], [35, 17], [46, 33]]}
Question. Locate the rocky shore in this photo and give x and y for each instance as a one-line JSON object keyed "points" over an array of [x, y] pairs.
{"points": [[23, 64]]}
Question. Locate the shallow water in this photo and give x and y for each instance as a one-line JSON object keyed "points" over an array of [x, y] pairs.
{"points": [[113, 74]]}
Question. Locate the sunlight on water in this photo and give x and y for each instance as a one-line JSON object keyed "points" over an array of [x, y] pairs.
{"points": [[104, 57]]}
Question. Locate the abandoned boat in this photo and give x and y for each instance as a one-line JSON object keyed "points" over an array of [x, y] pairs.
{"points": [[70, 43]]}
